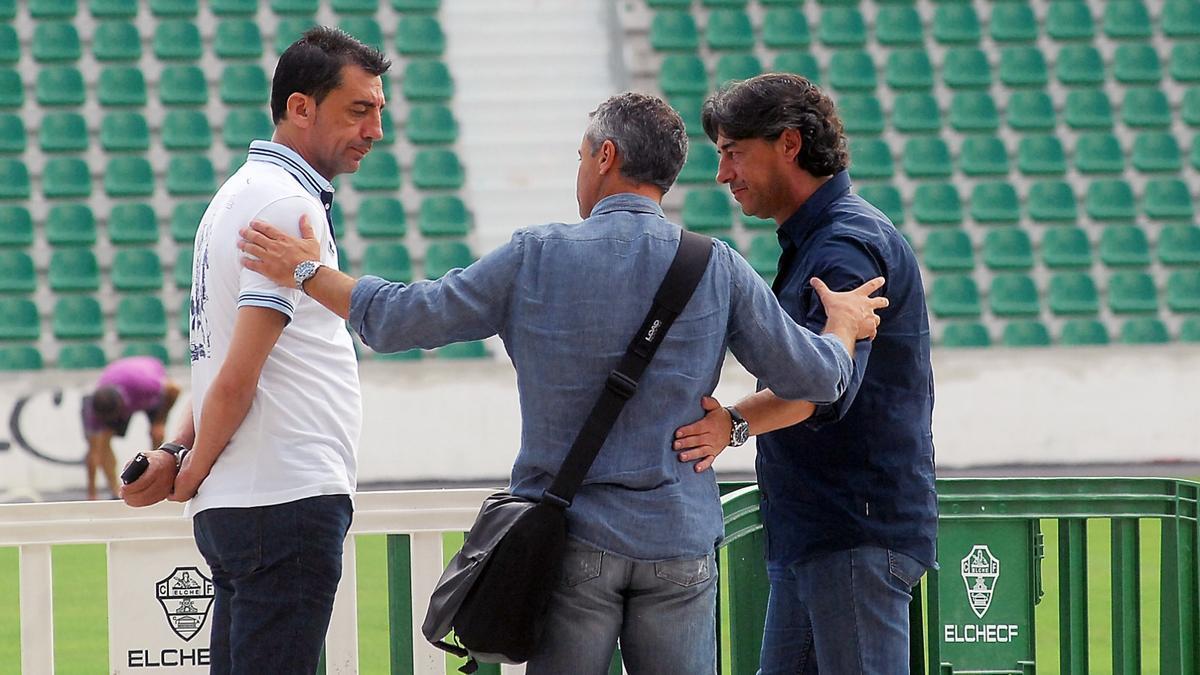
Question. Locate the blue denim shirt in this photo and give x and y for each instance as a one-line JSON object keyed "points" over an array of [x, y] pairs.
{"points": [[566, 300], [859, 471]]}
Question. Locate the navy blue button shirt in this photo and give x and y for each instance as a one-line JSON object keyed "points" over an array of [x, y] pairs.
{"points": [[860, 471]]}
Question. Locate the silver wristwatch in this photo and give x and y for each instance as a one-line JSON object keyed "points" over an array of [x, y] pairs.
{"points": [[740, 433], [305, 271]]}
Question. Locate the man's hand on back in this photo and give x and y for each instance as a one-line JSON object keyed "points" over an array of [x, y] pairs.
{"points": [[851, 314], [274, 254]]}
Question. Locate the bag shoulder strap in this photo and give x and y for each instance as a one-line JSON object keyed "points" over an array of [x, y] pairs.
{"points": [[673, 294]]}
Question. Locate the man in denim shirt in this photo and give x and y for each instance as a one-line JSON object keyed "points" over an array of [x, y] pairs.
{"points": [[847, 489], [565, 299]]}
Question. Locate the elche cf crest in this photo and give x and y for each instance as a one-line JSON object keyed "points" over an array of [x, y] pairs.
{"points": [[980, 570], [185, 596]]}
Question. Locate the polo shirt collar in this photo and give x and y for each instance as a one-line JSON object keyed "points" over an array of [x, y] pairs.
{"points": [[627, 201], [283, 156]]}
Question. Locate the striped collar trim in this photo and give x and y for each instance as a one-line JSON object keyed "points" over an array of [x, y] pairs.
{"points": [[283, 156]]}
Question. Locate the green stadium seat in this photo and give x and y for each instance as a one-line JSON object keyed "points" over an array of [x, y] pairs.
{"points": [[19, 319], [21, 357], [182, 85], [1051, 201], [443, 215], [927, 157], [355, 6], [909, 69], [431, 123], [1137, 64], [1025, 334], [1088, 109], [1008, 248], [729, 30], [191, 175], [121, 86], [16, 226], [993, 203], [132, 223], [1080, 65], [1069, 20], [66, 177], [701, 165], [185, 219], [1144, 331], [366, 29], [785, 28], [1178, 244], [381, 217], [1041, 155], [956, 24], [974, 111], [842, 27], [1124, 246], [129, 177], [965, 335], [937, 204], [1185, 62], [429, 80], [1099, 152], [1155, 152], [234, 7], [894, 27], [683, 74], [1030, 111], [870, 158], [136, 269], [52, 9], [1167, 199], [291, 7], [418, 35], [1126, 19], [78, 317], [16, 272], [244, 84], [337, 220], [74, 269], [55, 42], [12, 90], [949, 251], [916, 113], [1083, 333], [116, 41], [861, 114], [443, 256], [113, 9], [60, 86], [70, 225], [852, 70], [707, 209], [416, 5], [81, 357], [289, 29], [688, 108], [243, 125], [756, 223], [955, 295], [1066, 247], [64, 132], [186, 130], [1023, 67], [1013, 22], [140, 348], [1146, 108], [983, 156], [463, 350], [1183, 291], [389, 261], [379, 170], [737, 67], [12, 134], [798, 63], [764, 255], [182, 271], [1181, 19], [1014, 295], [1132, 293], [10, 45], [966, 68], [1110, 200], [14, 179], [177, 40], [238, 39], [674, 30], [170, 8], [886, 198], [141, 316], [1190, 330]]}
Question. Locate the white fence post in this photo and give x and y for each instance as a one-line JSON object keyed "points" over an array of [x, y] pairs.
{"points": [[341, 642], [37, 610], [426, 569]]}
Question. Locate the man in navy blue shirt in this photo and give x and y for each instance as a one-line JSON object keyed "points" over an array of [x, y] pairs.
{"points": [[847, 488]]}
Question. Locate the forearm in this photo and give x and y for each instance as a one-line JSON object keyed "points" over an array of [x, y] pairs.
{"points": [[766, 412], [332, 289], [185, 435], [225, 407], [845, 332]]}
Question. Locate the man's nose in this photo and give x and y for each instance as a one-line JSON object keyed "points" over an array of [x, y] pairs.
{"points": [[725, 172]]}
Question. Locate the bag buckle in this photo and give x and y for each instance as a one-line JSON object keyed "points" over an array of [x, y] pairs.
{"points": [[621, 384], [548, 496]]}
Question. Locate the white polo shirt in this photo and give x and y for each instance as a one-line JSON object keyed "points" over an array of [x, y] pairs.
{"points": [[301, 435]]}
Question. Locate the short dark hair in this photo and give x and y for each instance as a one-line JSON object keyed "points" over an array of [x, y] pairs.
{"points": [[107, 403], [766, 105], [313, 66], [650, 137]]}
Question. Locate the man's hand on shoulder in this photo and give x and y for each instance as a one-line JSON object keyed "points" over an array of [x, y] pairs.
{"points": [[851, 314], [274, 254], [155, 483]]}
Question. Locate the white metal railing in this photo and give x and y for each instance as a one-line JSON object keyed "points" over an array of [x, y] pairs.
{"points": [[422, 514]]}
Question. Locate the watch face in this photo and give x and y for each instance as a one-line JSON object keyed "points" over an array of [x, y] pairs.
{"points": [[741, 433]]}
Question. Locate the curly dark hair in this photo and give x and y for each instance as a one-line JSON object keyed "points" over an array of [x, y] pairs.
{"points": [[766, 105]]}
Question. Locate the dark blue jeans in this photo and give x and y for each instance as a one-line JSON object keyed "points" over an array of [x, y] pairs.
{"points": [[275, 570], [844, 613]]}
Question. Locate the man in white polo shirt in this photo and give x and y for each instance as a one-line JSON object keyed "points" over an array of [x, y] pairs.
{"points": [[276, 404]]}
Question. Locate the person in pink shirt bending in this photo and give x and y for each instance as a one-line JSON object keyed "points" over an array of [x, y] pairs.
{"points": [[126, 386]]}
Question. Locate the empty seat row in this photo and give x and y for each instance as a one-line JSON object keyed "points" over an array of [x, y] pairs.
{"points": [[137, 316], [124, 9], [1065, 247], [1074, 333]]}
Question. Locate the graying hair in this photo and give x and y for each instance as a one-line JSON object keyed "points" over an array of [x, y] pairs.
{"points": [[649, 135]]}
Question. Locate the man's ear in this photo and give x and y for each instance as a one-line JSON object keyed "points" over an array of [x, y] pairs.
{"points": [[790, 142], [608, 157], [301, 110]]}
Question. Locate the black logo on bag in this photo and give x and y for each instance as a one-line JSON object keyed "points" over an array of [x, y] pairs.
{"points": [[186, 596]]}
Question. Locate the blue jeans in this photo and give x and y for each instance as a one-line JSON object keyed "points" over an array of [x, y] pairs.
{"points": [[275, 571], [842, 613], [663, 612]]}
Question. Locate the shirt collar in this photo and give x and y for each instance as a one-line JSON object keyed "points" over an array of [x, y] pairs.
{"points": [[290, 160], [805, 218], [627, 201]]}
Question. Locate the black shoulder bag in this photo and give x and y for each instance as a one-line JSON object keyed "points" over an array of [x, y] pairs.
{"points": [[495, 592]]}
